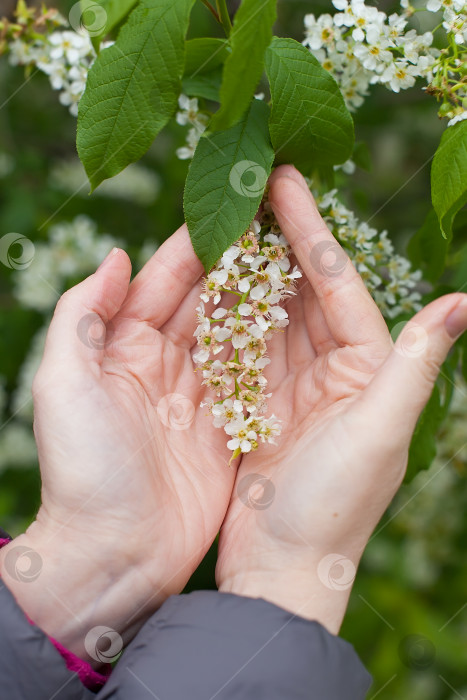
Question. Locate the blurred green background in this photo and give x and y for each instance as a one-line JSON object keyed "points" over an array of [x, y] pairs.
{"points": [[407, 616]]}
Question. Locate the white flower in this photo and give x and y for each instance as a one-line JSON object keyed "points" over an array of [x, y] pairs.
{"points": [[458, 118], [375, 56], [69, 45], [270, 429], [320, 32], [240, 331], [400, 75], [457, 24], [212, 286], [243, 437], [190, 113], [226, 412]]}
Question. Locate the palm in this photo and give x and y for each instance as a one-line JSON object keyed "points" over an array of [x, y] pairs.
{"points": [[151, 463], [320, 367]]}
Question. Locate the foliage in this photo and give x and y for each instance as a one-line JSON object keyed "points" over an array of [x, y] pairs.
{"points": [[413, 574]]}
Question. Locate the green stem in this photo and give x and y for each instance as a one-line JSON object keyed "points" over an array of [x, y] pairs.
{"points": [[212, 10], [224, 16]]}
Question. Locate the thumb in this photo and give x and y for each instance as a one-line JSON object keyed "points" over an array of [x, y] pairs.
{"points": [[404, 383], [80, 326]]}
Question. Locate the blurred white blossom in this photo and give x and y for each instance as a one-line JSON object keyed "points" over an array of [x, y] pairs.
{"points": [[74, 250], [189, 114], [387, 275], [17, 445], [64, 56], [136, 183]]}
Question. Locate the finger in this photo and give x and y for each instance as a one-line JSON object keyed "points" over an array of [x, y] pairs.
{"points": [[403, 385], [300, 350], [81, 324], [351, 315], [317, 328], [180, 327], [157, 290]]}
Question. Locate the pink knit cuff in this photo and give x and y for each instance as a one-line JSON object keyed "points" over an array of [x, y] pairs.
{"points": [[88, 677]]}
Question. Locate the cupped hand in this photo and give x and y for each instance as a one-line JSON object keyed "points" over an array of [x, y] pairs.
{"points": [[135, 479], [349, 399]]}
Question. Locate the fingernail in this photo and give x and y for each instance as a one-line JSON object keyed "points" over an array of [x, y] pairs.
{"points": [[107, 258], [456, 322]]}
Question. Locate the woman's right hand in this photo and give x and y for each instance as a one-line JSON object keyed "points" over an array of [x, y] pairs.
{"points": [[349, 400]]}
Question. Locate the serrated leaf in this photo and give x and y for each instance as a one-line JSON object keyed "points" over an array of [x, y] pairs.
{"points": [[225, 183], [204, 55], [132, 88], [203, 67], [449, 176], [100, 23], [309, 123], [427, 248], [203, 85], [250, 36]]}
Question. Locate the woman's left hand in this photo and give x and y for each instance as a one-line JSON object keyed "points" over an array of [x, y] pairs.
{"points": [[135, 478]]}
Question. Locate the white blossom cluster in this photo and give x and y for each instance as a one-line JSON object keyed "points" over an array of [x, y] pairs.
{"points": [[189, 114], [387, 275], [65, 56], [136, 183], [74, 249], [247, 287], [360, 45]]}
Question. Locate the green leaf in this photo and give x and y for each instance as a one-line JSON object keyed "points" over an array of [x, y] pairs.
{"points": [[132, 88], [204, 55], [203, 85], [203, 67], [225, 183], [422, 449], [250, 36], [449, 176], [99, 22], [427, 249], [309, 123]]}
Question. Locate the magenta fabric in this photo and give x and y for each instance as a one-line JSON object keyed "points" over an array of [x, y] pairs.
{"points": [[88, 677]]}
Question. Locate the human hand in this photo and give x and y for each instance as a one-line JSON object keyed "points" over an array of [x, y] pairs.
{"points": [[135, 479], [349, 401]]}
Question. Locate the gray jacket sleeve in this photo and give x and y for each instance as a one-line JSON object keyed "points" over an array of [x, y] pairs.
{"points": [[30, 666], [216, 646]]}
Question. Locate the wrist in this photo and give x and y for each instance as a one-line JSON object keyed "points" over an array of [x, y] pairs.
{"points": [[68, 589], [321, 593]]}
